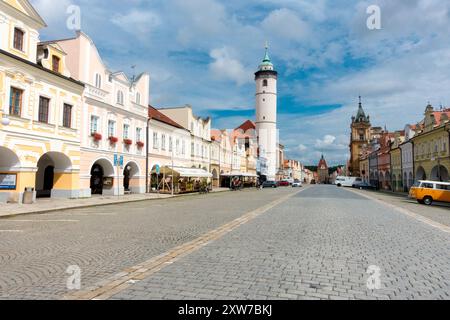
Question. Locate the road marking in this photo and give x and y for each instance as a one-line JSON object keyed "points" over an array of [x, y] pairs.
{"points": [[123, 280], [407, 212], [11, 231]]}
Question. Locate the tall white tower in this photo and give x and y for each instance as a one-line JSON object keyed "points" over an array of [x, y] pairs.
{"points": [[266, 114]]}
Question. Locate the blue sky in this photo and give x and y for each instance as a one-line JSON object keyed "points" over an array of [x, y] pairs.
{"points": [[204, 53]]}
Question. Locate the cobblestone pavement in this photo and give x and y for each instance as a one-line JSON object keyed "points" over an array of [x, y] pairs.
{"points": [[317, 245], [36, 250], [439, 212]]}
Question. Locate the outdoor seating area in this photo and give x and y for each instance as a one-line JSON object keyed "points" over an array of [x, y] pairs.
{"points": [[180, 180]]}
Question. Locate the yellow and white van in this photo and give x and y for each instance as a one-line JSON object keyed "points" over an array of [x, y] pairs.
{"points": [[426, 192]]}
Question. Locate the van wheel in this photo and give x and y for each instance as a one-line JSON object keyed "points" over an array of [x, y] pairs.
{"points": [[428, 201], [339, 185]]}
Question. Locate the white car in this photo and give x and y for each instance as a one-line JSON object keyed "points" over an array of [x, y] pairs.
{"points": [[297, 184], [347, 181]]}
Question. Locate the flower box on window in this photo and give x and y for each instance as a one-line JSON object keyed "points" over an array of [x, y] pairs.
{"points": [[113, 140], [140, 144], [96, 136], [127, 142]]}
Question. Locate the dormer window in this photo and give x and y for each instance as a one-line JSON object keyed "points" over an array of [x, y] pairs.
{"points": [[120, 97], [18, 39], [98, 81], [55, 63]]}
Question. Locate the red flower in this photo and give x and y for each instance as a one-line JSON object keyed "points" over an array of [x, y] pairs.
{"points": [[113, 140], [97, 136], [128, 142], [140, 144]]}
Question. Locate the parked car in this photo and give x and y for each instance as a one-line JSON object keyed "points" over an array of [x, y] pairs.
{"points": [[347, 181], [297, 184], [363, 186], [426, 192], [269, 184], [283, 183]]}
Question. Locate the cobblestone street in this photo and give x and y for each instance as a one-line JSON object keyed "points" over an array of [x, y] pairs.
{"points": [[317, 244]]}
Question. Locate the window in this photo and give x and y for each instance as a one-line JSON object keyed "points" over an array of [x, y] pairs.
{"points": [[177, 150], [138, 134], [98, 81], [155, 140], [170, 144], [138, 98], [163, 142], [111, 128], [192, 149], [67, 115], [15, 102], [265, 83], [183, 148], [19, 35], [120, 97], [94, 124], [126, 131], [43, 109], [55, 63]]}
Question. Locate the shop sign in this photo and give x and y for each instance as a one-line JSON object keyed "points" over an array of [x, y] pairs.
{"points": [[8, 181]]}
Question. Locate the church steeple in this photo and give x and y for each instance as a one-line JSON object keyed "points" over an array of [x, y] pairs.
{"points": [[361, 115]]}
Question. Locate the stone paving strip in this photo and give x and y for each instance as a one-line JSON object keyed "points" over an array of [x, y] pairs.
{"points": [[123, 280], [54, 205], [405, 211]]}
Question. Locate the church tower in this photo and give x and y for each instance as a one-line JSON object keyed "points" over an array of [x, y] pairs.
{"points": [[266, 114], [360, 138]]}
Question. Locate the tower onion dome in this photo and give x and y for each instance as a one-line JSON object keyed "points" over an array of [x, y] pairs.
{"points": [[267, 62]]}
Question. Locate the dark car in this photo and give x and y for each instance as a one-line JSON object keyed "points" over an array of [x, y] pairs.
{"points": [[269, 184], [363, 186], [284, 183]]}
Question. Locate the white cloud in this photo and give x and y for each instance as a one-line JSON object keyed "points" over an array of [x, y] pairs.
{"points": [[139, 22], [226, 67], [286, 24]]}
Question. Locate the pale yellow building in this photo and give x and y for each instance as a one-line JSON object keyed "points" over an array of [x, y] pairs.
{"points": [[40, 115]]}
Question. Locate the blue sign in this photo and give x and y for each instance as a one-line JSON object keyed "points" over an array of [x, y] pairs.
{"points": [[158, 169], [8, 181], [118, 161]]}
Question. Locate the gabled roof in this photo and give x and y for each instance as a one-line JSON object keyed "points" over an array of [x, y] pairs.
{"points": [[247, 125], [26, 8], [154, 114]]}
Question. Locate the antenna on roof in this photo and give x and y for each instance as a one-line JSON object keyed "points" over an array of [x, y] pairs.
{"points": [[133, 77]]}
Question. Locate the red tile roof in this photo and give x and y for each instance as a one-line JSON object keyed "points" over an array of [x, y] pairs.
{"points": [[438, 115], [247, 125], [154, 114]]}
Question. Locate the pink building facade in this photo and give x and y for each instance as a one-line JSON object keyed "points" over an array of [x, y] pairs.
{"points": [[113, 122]]}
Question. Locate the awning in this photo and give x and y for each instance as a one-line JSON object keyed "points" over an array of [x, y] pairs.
{"points": [[240, 174], [185, 172]]}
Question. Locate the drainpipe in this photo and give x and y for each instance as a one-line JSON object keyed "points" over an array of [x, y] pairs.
{"points": [[147, 187]]}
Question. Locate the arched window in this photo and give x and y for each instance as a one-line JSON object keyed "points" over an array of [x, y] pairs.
{"points": [[98, 81], [265, 83], [120, 97]]}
